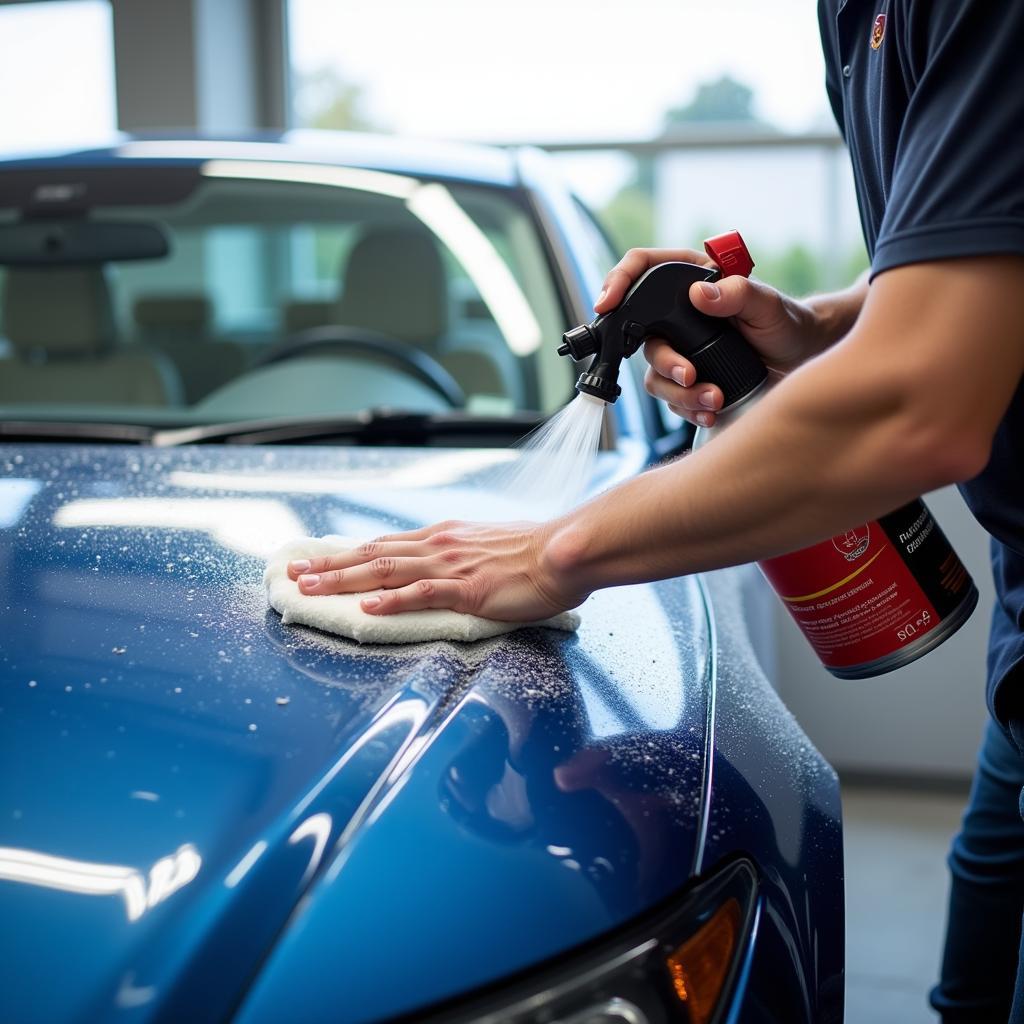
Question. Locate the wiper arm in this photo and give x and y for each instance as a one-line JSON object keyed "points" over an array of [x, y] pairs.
{"points": [[373, 427], [72, 430]]}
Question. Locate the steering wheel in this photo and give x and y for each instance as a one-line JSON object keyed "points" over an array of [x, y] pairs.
{"points": [[359, 341]]}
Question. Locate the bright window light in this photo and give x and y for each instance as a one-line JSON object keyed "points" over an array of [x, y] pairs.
{"points": [[56, 74]]}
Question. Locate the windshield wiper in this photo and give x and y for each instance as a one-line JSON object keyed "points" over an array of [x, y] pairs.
{"points": [[72, 430], [373, 427]]}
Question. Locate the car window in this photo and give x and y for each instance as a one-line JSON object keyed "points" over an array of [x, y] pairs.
{"points": [[293, 292]]}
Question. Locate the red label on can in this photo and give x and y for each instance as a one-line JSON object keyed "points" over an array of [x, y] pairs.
{"points": [[853, 596]]}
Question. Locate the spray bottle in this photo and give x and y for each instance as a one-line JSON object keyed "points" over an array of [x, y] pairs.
{"points": [[868, 600]]}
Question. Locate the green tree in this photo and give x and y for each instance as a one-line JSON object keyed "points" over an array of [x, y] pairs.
{"points": [[795, 270], [855, 264], [324, 99], [629, 217], [724, 99], [629, 214], [799, 271]]}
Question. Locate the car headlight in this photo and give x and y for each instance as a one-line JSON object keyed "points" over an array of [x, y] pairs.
{"points": [[679, 964]]}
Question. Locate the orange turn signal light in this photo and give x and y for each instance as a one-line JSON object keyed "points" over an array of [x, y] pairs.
{"points": [[701, 964]]}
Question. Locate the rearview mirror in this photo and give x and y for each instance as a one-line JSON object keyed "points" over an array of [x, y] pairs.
{"points": [[33, 243]]}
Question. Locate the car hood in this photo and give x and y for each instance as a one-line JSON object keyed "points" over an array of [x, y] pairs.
{"points": [[190, 790]]}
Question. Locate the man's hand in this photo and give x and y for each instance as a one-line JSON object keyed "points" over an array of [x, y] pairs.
{"points": [[496, 571], [785, 331]]}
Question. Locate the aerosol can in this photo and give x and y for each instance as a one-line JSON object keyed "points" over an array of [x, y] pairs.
{"points": [[869, 600]]}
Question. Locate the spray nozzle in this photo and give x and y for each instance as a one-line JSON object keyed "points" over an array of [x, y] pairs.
{"points": [[658, 305], [579, 343]]}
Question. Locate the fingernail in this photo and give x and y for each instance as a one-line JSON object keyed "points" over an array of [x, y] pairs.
{"points": [[704, 419], [309, 581], [707, 399], [300, 565], [709, 290], [600, 298], [679, 376], [370, 602]]}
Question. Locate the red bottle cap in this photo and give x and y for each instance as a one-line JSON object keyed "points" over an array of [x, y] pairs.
{"points": [[730, 252]]}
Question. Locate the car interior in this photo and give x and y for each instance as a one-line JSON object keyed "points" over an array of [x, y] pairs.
{"points": [[332, 301]]}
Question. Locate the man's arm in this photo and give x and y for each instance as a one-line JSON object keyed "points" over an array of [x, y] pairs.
{"points": [[909, 400]]}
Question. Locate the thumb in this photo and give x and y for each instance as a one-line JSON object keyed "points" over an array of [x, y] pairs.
{"points": [[756, 304]]}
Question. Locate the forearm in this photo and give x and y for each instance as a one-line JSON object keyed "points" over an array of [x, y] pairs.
{"points": [[800, 467], [872, 423]]}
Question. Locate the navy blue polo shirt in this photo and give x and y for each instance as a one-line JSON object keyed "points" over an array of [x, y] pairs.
{"points": [[929, 97]]}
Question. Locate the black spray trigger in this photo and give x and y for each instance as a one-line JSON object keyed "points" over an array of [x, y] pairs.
{"points": [[659, 304]]}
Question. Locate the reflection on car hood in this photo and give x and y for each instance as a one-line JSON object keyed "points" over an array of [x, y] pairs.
{"points": [[179, 769]]}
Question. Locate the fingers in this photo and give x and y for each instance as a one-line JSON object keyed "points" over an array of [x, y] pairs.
{"points": [[672, 379], [356, 556], [667, 362], [381, 563], [756, 304], [423, 532], [416, 596], [621, 277], [698, 419], [697, 403], [378, 572], [394, 545]]}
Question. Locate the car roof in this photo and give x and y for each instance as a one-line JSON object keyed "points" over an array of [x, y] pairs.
{"points": [[425, 158]]}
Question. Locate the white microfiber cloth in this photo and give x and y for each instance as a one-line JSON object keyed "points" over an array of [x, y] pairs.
{"points": [[341, 614]]}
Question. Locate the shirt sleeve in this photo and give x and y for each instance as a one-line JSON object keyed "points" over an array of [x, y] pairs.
{"points": [[958, 183]]}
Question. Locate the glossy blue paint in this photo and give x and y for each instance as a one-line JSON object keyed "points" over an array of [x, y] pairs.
{"points": [[775, 798], [205, 814], [135, 607]]}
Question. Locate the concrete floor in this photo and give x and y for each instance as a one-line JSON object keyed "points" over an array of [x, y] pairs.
{"points": [[896, 885]]}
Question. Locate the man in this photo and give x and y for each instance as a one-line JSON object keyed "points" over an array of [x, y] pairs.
{"points": [[897, 386]]}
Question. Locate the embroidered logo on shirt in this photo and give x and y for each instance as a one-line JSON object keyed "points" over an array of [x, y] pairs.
{"points": [[878, 32]]}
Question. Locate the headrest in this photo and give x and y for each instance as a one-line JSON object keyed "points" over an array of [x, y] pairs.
{"points": [[190, 313], [395, 284], [61, 311]]}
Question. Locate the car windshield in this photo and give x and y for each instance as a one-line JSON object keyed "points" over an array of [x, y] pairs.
{"points": [[283, 290]]}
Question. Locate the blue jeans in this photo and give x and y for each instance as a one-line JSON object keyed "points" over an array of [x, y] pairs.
{"points": [[981, 980]]}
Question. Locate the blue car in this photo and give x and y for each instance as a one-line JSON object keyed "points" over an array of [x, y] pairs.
{"points": [[210, 348]]}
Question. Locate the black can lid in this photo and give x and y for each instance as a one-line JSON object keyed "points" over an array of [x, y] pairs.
{"points": [[729, 361]]}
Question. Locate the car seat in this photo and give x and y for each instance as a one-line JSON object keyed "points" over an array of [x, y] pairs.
{"points": [[395, 283], [179, 326], [60, 324]]}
